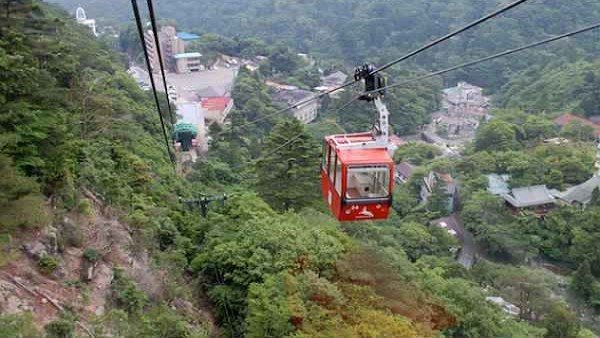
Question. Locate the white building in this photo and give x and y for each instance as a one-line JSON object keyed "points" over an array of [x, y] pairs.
{"points": [[188, 62], [83, 20]]}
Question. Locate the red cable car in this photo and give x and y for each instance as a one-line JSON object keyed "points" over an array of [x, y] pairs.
{"points": [[357, 171]]}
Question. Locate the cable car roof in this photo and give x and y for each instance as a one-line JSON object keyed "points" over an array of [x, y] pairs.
{"points": [[365, 156]]}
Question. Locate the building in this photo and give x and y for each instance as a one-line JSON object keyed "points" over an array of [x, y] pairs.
{"points": [[217, 108], [498, 184], [332, 81], [172, 47], [306, 112], [449, 187], [537, 199], [465, 100], [580, 194], [404, 172], [567, 118], [188, 62], [82, 19]]}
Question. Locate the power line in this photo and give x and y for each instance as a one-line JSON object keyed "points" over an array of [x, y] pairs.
{"points": [[138, 21], [388, 65], [492, 57], [451, 35], [160, 59]]}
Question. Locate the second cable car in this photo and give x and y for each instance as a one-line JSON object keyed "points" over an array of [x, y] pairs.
{"points": [[357, 170]]}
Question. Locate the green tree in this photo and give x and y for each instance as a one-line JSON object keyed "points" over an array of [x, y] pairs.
{"points": [[561, 323], [288, 171], [583, 280], [496, 135]]}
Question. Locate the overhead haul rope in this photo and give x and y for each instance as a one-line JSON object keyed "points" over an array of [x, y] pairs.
{"points": [[160, 59], [405, 57], [138, 22]]}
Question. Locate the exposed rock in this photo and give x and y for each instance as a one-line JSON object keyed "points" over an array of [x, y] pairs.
{"points": [[35, 250]]}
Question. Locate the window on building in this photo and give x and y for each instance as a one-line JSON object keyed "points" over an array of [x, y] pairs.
{"points": [[368, 182]]}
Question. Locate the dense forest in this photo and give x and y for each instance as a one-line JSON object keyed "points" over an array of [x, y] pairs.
{"points": [[78, 137]]}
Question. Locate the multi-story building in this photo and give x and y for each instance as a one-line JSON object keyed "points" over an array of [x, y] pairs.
{"points": [[465, 100], [172, 48]]}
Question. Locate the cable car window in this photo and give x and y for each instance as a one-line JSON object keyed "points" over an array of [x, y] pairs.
{"points": [[338, 177], [368, 182], [332, 156]]}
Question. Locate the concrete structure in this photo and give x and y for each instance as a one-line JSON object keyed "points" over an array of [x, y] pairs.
{"points": [[306, 112], [217, 108], [82, 19], [171, 45], [537, 199], [465, 99], [507, 307], [188, 62]]}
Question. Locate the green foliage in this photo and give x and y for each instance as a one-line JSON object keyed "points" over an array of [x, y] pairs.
{"points": [[92, 255], [496, 135], [561, 323], [287, 178], [61, 328], [18, 326], [417, 153], [48, 264], [126, 294]]}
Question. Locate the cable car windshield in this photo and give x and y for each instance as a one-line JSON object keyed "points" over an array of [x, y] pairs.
{"points": [[368, 182]]}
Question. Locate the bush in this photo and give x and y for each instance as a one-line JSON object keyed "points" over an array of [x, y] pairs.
{"points": [[60, 329], [92, 255], [85, 207], [48, 264], [125, 293], [71, 234]]}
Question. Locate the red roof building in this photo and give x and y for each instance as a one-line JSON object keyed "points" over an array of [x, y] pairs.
{"points": [[567, 118], [217, 108]]}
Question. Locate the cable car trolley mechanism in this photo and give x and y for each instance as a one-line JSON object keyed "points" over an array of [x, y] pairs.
{"points": [[357, 170]]}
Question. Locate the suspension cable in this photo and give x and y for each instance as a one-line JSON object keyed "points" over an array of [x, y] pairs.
{"points": [[491, 57], [160, 59], [138, 21], [388, 65], [451, 35]]}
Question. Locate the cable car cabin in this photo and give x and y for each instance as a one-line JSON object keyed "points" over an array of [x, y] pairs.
{"points": [[357, 177]]}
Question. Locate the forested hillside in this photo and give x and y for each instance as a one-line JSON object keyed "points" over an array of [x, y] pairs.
{"points": [[86, 183], [378, 31]]}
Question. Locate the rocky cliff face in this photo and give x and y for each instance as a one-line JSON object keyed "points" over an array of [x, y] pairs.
{"points": [[69, 266]]}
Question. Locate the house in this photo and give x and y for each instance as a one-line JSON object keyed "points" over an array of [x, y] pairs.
{"points": [[404, 172], [567, 118], [579, 194], [306, 112], [217, 108], [332, 81], [449, 187], [498, 184], [465, 99], [536, 198]]}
